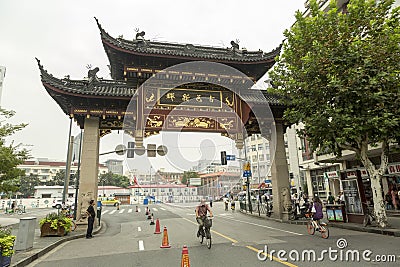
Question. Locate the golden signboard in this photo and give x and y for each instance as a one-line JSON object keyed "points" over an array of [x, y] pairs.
{"points": [[190, 98]]}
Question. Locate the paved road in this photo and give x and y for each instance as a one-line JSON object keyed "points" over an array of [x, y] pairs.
{"points": [[129, 240]]}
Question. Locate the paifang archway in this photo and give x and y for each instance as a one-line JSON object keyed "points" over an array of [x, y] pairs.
{"points": [[172, 87]]}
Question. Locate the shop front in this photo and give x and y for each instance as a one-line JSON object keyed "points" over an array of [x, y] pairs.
{"points": [[355, 190]]}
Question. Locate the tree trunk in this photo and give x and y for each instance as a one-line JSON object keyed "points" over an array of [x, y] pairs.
{"points": [[376, 176]]}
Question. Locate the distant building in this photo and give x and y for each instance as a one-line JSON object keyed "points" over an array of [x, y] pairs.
{"points": [[76, 146], [2, 76], [55, 191], [47, 169], [115, 166]]}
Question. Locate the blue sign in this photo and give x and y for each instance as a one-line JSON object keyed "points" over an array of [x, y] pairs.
{"points": [[230, 157], [246, 173], [268, 181]]}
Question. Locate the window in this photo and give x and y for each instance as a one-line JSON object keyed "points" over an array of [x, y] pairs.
{"points": [[261, 157], [253, 148], [260, 146]]}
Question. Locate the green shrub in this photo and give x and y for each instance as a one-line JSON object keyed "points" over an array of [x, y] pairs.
{"points": [[56, 221], [6, 241]]}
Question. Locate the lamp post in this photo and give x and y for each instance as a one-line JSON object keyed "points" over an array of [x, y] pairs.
{"points": [[259, 189]]}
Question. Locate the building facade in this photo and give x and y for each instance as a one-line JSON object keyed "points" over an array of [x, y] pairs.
{"points": [[115, 166]]}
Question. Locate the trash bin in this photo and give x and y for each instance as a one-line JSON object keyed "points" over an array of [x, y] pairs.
{"points": [[26, 233], [145, 201]]}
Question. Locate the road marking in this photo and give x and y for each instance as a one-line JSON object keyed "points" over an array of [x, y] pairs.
{"points": [[138, 209], [121, 211], [139, 229], [141, 245], [249, 247], [274, 258], [113, 211], [105, 211], [269, 227], [130, 210], [162, 208], [155, 209]]}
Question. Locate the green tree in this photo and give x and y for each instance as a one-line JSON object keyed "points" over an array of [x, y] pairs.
{"points": [[58, 179], [113, 179], [187, 175], [11, 155], [27, 185], [339, 73]]}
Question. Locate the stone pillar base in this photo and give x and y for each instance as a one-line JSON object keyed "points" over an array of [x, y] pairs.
{"points": [[285, 216]]}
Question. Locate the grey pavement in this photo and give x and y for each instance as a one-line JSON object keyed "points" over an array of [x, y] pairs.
{"points": [[41, 245]]}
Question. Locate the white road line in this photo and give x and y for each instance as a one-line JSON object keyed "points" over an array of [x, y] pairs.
{"points": [[155, 209], [130, 210], [113, 211], [121, 211], [138, 209], [269, 227], [141, 245], [162, 208], [104, 212], [139, 229]]}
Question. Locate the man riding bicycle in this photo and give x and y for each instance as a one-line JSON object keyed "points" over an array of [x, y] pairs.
{"points": [[201, 215]]}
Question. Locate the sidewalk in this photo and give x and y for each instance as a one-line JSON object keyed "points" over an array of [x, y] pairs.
{"points": [[41, 245], [393, 220]]}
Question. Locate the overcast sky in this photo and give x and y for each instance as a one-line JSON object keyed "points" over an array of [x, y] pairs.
{"points": [[65, 37]]}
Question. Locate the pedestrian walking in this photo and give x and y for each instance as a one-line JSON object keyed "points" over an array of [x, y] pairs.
{"points": [[91, 215]]}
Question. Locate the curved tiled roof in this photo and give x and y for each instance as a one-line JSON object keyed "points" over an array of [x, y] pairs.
{"points": [[83, 87], [198, 52]]}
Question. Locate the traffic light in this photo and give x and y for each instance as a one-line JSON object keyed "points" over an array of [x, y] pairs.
{"points": [[223, 158], [130, 151]]}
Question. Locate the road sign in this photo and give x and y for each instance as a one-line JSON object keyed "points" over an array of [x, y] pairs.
{"points": [[246, 173], [120, 150], [230, 157], [246, 166]]}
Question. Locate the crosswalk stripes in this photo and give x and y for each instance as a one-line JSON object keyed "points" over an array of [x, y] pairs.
{"points": [[130, 211], [121, 211], [155, 209], [105, 211], [113, 211], [162, 208]]}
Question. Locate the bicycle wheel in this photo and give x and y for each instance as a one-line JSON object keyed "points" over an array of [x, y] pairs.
{"points": [[201, 237], [19, 211], [209, 242], [366, 220], [324, 232], [310, 228]]}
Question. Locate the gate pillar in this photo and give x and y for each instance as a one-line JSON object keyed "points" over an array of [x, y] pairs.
{"points": [[280, 176], [89, 166]]}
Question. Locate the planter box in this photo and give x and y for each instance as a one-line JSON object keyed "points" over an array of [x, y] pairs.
{"points": [[4, 261], [46, 230]]}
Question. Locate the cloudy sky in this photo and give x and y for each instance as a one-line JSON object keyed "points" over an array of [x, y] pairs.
{"points": [[65, 37]]}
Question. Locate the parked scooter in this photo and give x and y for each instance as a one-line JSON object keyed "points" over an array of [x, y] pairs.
{"points": [[268, 208]]}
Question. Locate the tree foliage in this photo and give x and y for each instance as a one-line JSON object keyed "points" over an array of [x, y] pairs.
{"points": [[27, 185], [187, 175], [11, 155], [113, 179], [339, 73]]}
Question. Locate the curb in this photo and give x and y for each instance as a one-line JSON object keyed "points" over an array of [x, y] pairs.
{"points": [[390, 232], [47, 249]]}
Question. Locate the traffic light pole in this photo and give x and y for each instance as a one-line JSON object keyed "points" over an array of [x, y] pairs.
{"points": [[247, 180]]}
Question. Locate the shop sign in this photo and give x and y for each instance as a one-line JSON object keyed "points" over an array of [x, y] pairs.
{"points": [[351, 174], [394, 168], [331, 175], [364, 173]]}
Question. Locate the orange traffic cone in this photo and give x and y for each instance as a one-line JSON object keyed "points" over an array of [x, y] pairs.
{"points": [[165, 243], [152, 219], [185, 257], [158, 231]]}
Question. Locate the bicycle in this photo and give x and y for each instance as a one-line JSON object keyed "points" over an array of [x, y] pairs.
{"points": [[313, 225], [205, 233], [369, 217]]}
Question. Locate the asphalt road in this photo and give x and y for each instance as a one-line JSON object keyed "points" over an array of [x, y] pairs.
{"points": [[238, 240]]}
